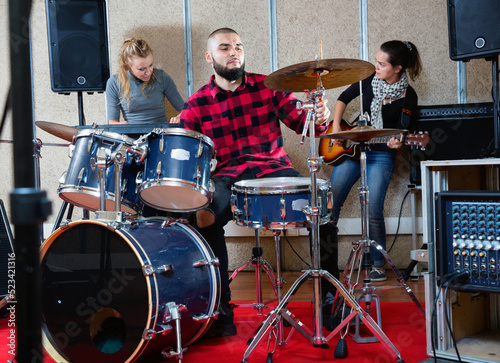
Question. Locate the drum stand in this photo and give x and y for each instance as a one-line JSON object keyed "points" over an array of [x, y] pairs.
{"points": [[259, 263], [275, 319], [361, 253], [118, 158]]}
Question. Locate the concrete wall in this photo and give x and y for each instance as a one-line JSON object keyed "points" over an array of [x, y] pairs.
{"points": [[301, 25]]}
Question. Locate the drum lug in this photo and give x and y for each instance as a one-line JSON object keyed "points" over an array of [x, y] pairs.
{"points": [[64, 224], [198, 177], [205, 262], [71, 150], [200, 150], [89, 144], [234, 204], [62, 179], [149, 334], [82, 176], [203, 318], [124, 186], [213, 164], [138, 178], [283, 208], [158, 170], [149, 270], [168, 222]]}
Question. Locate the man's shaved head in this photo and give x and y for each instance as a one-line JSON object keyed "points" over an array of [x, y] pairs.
{"points": [[211, 37]]}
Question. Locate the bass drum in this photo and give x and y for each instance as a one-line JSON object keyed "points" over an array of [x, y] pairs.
{"points": [[108, 290]]}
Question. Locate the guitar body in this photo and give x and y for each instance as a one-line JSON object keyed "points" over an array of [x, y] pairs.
{"points": [[336, 155]]}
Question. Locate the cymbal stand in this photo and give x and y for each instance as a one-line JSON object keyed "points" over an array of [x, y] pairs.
{"points": [[361, 253], [316, 337]]}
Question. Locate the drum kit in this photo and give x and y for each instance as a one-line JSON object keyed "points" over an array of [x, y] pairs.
{"points": [[123, 287], [130, 286]]}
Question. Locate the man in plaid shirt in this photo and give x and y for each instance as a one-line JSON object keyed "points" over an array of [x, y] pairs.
{"points": [[242, 117]]}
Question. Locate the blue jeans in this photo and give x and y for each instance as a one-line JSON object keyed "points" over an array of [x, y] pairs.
{"points": [[379, 171]]}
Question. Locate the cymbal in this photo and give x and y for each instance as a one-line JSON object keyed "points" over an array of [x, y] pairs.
{"points": [[304, 76], [62, 131], [362, 133]]}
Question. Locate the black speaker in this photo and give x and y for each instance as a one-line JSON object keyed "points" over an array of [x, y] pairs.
{"points": [[78, 45], [461, 131], [473, 28], [7, 260]]}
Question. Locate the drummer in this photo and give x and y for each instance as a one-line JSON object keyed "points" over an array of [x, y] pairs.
{"points": [[139, 90], [242, 117]]}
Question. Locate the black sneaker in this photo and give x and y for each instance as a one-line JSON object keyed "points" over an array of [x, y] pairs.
{"points": [[377, 274], [327, 311], [223, 326]]}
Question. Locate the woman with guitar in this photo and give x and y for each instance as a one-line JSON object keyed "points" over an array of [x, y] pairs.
{"points": [[391, 103]]}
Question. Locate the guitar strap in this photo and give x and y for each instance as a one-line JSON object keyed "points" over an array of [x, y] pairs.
{"points": [[405, 118]]}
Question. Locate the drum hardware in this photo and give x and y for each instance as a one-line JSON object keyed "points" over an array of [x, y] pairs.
{"points": [[145, 305], [149, 270], [259, 263], [360, 255], [201, 263], [297, 79], [174, 313], [92, 177]]}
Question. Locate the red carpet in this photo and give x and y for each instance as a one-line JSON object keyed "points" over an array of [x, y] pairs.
{"points": [[401, 322]]}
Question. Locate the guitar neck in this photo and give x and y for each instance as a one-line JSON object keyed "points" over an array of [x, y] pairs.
{"points": [[384, 139]]}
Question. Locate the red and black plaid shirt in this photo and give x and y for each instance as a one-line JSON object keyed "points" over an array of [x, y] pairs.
{"points": [[244, 124]]}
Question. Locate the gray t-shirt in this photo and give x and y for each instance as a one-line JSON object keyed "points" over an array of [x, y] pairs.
{"points": [[149, 109]]}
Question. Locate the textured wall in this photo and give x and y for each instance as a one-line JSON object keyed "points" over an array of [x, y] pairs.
{"points": [[301, 25]]}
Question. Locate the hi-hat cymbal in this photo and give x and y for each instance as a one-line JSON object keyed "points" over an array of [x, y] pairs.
{"points": [[304, 76], [362, 133], [62, 131]]}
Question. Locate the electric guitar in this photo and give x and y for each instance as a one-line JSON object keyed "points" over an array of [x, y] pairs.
{"points": [[336, 155]]}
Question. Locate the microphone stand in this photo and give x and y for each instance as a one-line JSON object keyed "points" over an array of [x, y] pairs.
{"points": [[29, 205]]}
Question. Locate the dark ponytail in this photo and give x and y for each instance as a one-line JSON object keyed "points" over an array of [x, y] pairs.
{"points": [[404, 54]]}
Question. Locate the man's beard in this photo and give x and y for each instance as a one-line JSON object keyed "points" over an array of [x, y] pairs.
{"points": [[228, 74]]}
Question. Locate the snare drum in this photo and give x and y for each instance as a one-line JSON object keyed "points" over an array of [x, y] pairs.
{"points": [[80, 184], [177, 171], [278, 203], [108, 292]]}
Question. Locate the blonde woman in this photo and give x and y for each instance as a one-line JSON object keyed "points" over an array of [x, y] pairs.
{"points": [[139, 90]]}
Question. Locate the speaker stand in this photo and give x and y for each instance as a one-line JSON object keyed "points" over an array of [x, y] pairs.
{"points": [[81, 115]]}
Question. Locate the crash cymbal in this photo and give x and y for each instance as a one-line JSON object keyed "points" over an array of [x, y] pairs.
{"points": [[304, 76], [62, 131], [362, 133]]}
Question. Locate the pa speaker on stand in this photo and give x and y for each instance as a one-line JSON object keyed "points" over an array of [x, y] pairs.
{"points": [[473, 28], [78, 45]]}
